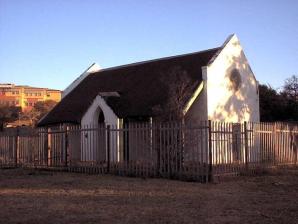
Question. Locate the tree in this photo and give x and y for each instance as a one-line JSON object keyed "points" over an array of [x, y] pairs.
{"points": [[179, 86], [271, 104], [289, 94], [40, 109], [43, 107], [179, 89], [8, 114], [279, 106], [290, 88]]}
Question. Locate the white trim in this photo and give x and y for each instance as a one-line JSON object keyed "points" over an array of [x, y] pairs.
{"points": [[91, 69], [90, 116], [194, 96], [227, 41], [222, 47]]}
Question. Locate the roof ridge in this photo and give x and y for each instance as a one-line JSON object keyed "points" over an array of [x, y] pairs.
{"points": [[156, 59]]}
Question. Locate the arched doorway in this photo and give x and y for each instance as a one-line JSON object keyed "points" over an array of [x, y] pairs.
{"points": [[94, 139], [99, 148], [101, 117]]}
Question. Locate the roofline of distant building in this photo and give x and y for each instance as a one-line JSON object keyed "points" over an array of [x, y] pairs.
{"points": [[12, 85]]}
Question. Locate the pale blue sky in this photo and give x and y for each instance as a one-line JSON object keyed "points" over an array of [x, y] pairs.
{"points": [[48, 43]]}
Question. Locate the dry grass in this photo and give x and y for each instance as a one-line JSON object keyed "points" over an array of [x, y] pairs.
{"points": [[44, 197]]}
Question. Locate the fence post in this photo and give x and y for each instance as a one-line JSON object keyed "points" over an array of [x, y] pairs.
{"points": [[66, 145], [44, 134], [16, 146], [49, 146], [274, 144], [158, 137], [246, 145], [210, 172], [108, 148]]}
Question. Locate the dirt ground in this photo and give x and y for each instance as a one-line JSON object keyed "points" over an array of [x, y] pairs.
{"points": [[45, 197]]}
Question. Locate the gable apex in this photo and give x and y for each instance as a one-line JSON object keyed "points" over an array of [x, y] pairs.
{"points": [[231, 38], [91, 69]]}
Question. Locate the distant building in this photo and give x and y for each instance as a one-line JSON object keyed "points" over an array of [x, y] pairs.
{"points": [[26, 96]]}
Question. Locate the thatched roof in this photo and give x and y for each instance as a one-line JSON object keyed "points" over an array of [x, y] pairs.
{"points": [[139, 86]]}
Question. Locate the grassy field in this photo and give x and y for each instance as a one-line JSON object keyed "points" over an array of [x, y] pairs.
{"points": [[44, 197]]}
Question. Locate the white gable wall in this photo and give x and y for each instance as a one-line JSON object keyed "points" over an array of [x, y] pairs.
{"points": [[88, 139], [91, 115], [223, 102]]}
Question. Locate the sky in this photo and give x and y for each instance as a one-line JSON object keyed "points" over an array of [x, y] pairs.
{"points": [[49, 43]]}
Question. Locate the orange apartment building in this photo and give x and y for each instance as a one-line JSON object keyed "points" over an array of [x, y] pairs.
{"points": [[26, 96]]}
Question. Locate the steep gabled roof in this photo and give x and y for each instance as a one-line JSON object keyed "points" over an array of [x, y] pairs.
{"points": [[139, 86]]}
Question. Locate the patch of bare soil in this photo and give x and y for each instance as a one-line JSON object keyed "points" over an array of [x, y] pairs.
{"points": [[46, 197]]}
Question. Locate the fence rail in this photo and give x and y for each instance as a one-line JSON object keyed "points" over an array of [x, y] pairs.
{"points": [[170, 150]]}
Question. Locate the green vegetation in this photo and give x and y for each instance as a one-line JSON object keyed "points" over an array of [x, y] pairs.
{"points": [[279, 105]]}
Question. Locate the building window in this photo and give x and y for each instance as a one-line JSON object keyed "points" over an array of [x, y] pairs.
{"points": [[26, 103]]}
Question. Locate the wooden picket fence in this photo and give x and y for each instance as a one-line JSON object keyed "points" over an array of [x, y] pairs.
{"points": [[170, 150]]}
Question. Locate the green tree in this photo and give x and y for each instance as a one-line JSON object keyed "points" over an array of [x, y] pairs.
{"points": [[271, 104], [279, 106]]}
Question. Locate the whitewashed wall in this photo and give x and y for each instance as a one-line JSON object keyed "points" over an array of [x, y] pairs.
{"points": [[224, 103], [88, 139], [219, 101]]}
